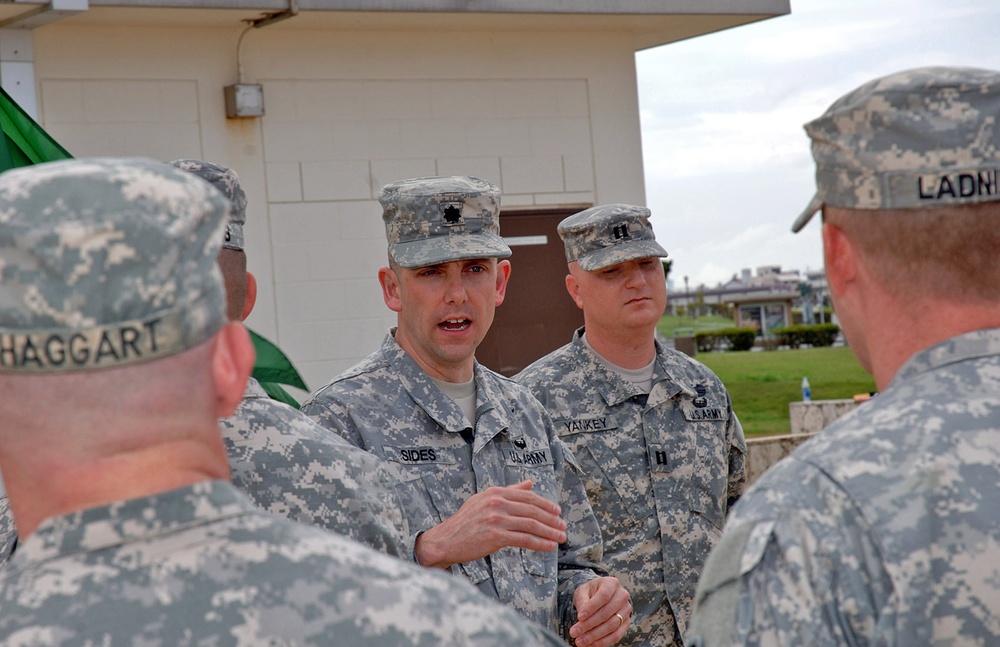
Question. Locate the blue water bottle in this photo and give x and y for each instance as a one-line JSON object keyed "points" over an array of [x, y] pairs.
{"points": [[806, 391]]}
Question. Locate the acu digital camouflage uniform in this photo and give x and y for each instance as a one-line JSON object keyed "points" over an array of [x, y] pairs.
{"points": [[285, 462], [111, 262], [8, 532], [388, 405], [290, 466], [201, 565], [661, 468], [882, 530], [885, 528]]}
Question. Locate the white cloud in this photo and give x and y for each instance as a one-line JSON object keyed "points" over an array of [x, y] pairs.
{"points": [[727, 164], [714, 142]]}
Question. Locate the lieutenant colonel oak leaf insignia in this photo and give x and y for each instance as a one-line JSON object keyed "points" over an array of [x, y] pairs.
{"points": [[452, 215]]}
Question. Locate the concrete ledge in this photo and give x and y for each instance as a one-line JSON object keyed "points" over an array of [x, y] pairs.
{"points": [[810, 417], [765, 451], [807, 419]]}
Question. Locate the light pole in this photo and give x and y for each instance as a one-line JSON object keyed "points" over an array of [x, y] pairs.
{"points": [[687, 296]]}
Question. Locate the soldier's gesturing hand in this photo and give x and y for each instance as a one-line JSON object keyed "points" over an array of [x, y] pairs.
{"points": [[490, 520]]}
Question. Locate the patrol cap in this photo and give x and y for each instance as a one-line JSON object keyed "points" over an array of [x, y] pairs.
{"points": [[431, 220], [917, 139], [608, 234], [226, 180], [106, 262]]}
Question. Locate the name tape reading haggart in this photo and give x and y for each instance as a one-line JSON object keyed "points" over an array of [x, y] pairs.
{"points": [[120, 344]]}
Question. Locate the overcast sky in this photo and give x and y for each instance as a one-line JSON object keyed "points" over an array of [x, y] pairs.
{"points": [[727, 163]]}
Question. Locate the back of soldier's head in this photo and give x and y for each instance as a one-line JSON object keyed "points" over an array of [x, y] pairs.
{"points": [[908, 165], [106, 265], [232, 256]]}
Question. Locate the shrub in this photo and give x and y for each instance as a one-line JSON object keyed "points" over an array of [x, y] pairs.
{"points": [[705, 341], [816, 335], [725, 339], [821, 335], [740, 338]]}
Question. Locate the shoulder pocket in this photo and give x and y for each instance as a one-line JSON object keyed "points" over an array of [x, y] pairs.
{"points": [[737, 553]]}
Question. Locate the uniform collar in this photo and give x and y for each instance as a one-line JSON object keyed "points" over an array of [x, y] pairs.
{"points": [[254, 390], [491, 416], [615, 390], [971, 345], [118, 523]]}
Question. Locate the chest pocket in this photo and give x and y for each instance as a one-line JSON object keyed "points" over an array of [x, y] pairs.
{"points": [[448, 489], [433, 483], [524, 457], [608, 457], [691, 462], [527, 458], [702, 409]]}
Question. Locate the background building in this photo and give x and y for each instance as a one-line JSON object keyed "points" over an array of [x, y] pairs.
{"points": [[764, 300]]}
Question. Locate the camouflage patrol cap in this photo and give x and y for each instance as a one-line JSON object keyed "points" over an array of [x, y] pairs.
{"points": [[226, 180], [431, 220], [609, 234], [921, 138], [106, 262]]}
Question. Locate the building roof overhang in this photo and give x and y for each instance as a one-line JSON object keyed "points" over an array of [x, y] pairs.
{"points": [[649, 22]]}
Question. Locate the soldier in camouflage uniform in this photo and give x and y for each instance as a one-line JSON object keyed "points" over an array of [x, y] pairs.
{"points": [[8, 532], [112, 307], [483, 477], [663, 453], [885, 528], [286, 463]]}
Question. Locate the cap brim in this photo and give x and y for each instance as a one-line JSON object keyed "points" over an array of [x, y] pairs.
{"points": [[814, 205], [621, 253], [444, 249]]}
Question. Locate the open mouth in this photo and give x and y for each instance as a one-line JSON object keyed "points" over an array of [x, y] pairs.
{"points": [[454, 325]]}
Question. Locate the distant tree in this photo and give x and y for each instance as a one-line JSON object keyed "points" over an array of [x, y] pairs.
{"points": [[667, 264], [699, 302]]}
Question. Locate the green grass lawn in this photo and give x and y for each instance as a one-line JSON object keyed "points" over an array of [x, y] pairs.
{"points": [[763, 383]]}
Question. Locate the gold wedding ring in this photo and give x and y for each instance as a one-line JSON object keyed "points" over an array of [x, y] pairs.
{"points": [[621, 621]]}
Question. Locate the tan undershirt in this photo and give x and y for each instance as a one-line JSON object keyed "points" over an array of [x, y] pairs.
{"points": [[641, 377]]}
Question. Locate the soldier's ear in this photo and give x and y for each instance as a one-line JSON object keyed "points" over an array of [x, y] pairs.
{"points": [[390, 288], [839, 259], [251, 296], [573, 287], [232, 363], [503, 276]]}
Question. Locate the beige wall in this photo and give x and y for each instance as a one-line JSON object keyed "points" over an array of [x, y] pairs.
{"points": [[551, 117]]}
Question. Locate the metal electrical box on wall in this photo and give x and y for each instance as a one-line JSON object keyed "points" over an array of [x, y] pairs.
{"points": [[244, 100]]}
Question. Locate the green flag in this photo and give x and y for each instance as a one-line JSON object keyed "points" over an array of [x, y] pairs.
{"points": [[273, 368], [24, 142]]}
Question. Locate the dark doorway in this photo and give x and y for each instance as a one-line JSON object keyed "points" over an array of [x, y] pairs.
{"points": [[537, 315]]}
